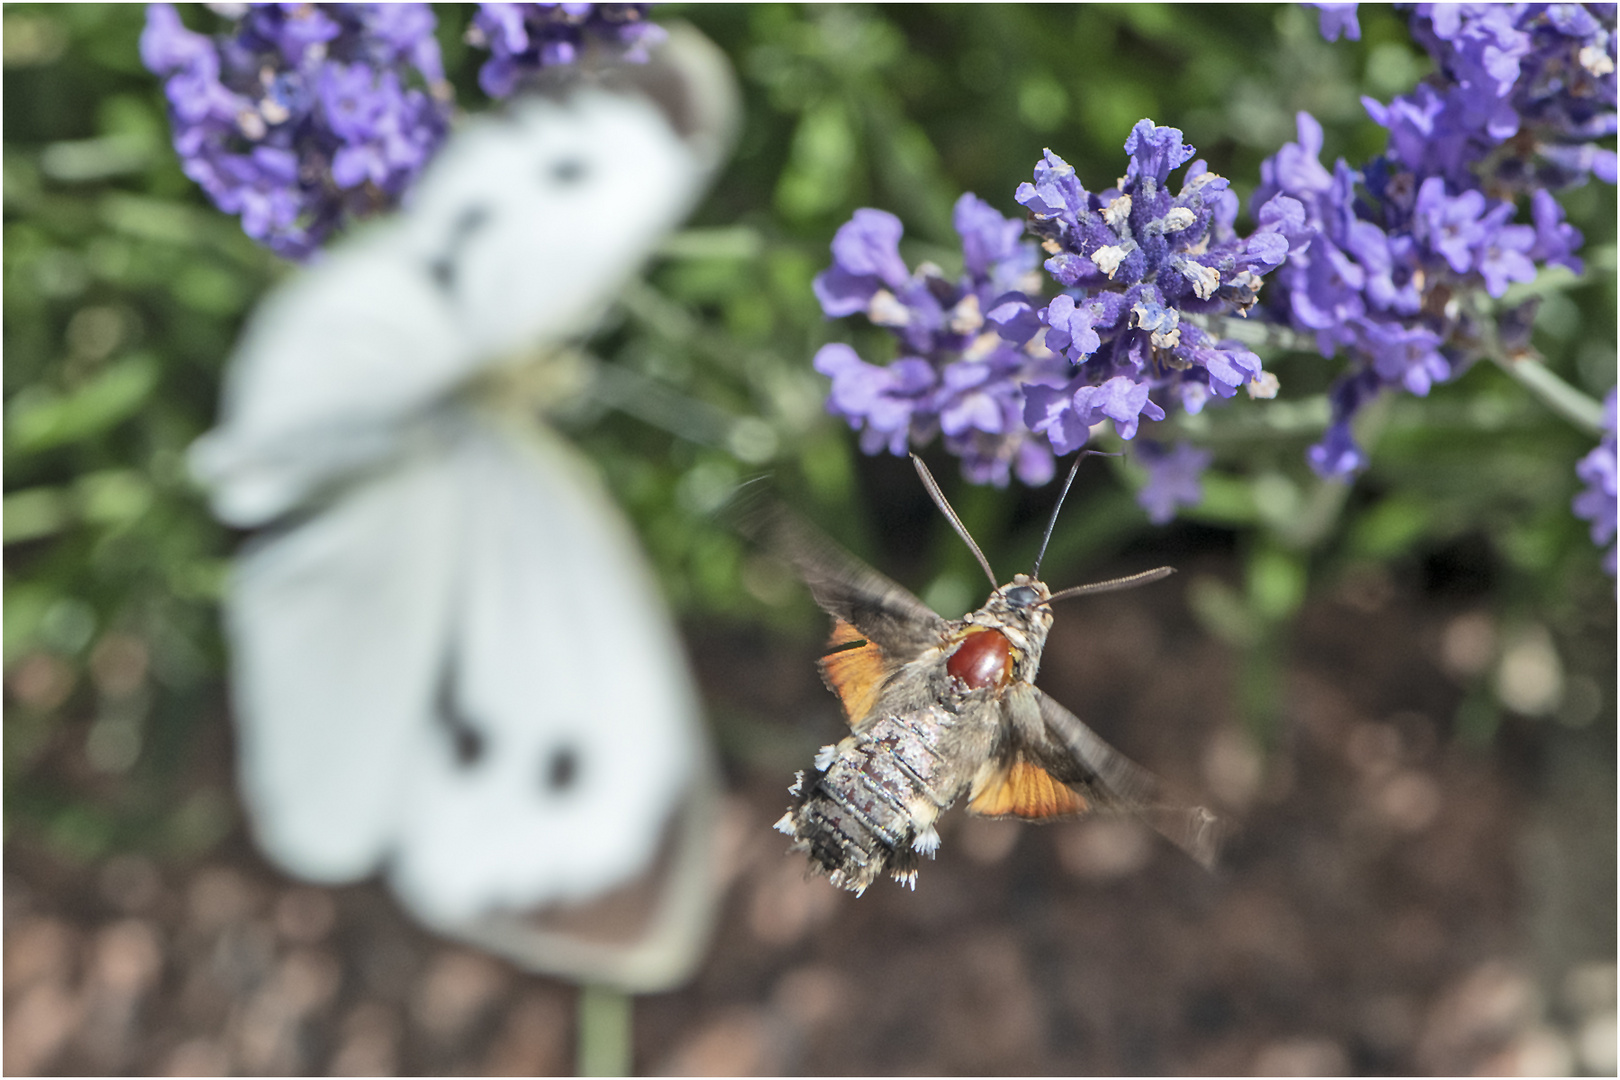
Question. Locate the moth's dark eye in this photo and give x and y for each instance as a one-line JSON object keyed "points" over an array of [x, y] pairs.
{"points": [[565, 172], [1022, 596]]}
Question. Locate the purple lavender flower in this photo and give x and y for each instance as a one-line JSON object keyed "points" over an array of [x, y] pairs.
{"points": [[888, 405], [866, 259], [960, 375], [1007, 379], [1597, 471], [1335, 19], [1174, 478], [1385, 265], [1135, 261], [1556, 240], [1519, 96], [1338, 454], [523, 39], [1396, 253], [299, 120]]}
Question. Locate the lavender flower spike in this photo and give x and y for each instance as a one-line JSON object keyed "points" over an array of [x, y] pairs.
{"points": [[1133, 262], [1392, 260], [967, 345], [302, 118]]}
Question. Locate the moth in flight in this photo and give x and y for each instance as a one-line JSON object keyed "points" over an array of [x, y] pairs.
{"points": [[941, 708]]}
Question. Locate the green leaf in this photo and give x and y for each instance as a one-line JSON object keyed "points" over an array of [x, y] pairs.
{"points": [[1228, 500], [1390, 528], [1276, 583], [816, 180], [25, 608], [42, 419], [113, 496], [34, 513], [1221, 611]]}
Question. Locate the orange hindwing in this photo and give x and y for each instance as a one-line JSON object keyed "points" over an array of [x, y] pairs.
{"points": [[854, 670], [1025, 790]]}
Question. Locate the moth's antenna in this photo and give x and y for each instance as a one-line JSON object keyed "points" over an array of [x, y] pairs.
{"points": [[950, 515], [1052, 524], [1130, 581]]}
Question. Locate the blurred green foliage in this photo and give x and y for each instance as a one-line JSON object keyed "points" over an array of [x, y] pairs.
{"points": [[124, 291]]}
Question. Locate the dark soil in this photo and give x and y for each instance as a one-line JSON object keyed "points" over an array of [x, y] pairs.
{"points": [[1395, 901]]}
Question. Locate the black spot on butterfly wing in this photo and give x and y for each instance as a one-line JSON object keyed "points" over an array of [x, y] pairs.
{"points": [[565, 171], [467, 744], [561, 770], [442, 268]]}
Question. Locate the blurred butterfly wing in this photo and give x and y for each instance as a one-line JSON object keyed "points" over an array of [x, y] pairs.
{"points": [[565, 676], [645, 937], [452, 600], [336, 625], [534, 219], [327, 373], [533, 222]]}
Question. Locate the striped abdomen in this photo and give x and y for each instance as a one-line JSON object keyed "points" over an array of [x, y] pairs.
{"points": [[872, 808]]}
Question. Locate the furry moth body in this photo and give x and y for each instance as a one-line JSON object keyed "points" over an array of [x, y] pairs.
{"points": [[940, 709]]}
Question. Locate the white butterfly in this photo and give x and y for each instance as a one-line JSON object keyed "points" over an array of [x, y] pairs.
{"points": [[449, 658]]}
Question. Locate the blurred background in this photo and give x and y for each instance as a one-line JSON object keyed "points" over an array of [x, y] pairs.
{"points": [[1403, 690]]}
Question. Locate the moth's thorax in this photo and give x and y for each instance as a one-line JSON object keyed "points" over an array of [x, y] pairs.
{"points": [[1019, 612]]}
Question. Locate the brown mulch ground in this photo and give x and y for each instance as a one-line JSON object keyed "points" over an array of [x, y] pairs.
{"points": [[1395, 903]]}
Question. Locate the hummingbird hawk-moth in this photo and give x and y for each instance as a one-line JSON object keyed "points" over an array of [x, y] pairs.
{"points": [[940, 708]]}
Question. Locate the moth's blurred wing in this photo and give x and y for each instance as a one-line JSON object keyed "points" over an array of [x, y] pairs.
{"points": [[1053, 766], [566, 675], [337, 627], [883, 612]]}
